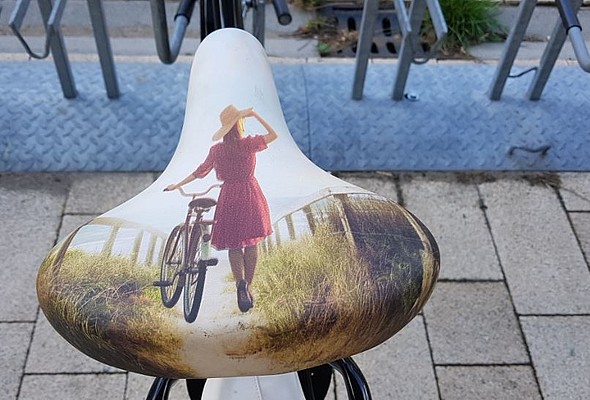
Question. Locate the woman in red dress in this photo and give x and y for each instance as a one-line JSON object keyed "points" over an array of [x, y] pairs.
{"points": [[242, 217]]}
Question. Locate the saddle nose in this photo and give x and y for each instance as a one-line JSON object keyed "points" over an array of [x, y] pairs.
{"points": [[292, 267]]}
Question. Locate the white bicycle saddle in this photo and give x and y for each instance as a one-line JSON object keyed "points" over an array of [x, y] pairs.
{"points": [[322, 269]]}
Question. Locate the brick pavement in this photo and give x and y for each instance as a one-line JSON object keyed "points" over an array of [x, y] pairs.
{"points": [[508, 319]]}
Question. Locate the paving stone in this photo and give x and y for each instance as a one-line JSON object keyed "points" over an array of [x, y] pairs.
{"points": [[50, 353], [560, 349], [473, 323], [71, 222], [545, 269], [400, 368], [452, 212], [575, 191], [138, 387], [73, 387], [494, 382], [13, 352], [581, 223], [96, 193], [380, 183], [30, 214]]}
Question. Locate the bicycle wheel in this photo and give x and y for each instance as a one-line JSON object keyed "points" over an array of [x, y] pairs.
{"points": [[195, 277], [171, 275]]}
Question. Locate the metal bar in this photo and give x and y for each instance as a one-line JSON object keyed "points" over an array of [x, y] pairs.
{"points": [[407, 52], [440, 24], [60, 56], [402, 17], [168, 52], [438, 18], [517, 32], [416, 16], [357, 387], [158, 10], [19, 12], [103, 46], [363, 48], [550, 55], [160, 389], [258, 20], [580, 48]]}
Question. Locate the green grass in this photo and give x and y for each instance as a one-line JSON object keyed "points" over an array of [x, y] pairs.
{"points": [[107, 307], [322, 297], [469, 22]]}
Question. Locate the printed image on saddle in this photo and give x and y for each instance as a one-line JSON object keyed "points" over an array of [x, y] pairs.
{"points": [[243, 257]]}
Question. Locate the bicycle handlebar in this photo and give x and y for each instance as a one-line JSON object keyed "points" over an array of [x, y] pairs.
{"points": [[282, 10], [193, 195]]}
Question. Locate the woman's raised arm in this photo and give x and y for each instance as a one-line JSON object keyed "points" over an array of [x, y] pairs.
{"points": [[272, 134]]}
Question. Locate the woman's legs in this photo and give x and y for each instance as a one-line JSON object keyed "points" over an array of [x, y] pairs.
{"points": [[250, 260], [237, 263]]}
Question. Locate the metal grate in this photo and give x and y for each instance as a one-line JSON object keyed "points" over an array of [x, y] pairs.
{"points": [[386, 38]]}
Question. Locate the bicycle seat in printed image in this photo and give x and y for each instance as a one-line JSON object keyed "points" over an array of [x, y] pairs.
{"points": [[286, 266]]}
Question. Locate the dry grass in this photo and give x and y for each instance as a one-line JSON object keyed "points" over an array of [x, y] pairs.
{"points": [[323, 297], [107, 307]]}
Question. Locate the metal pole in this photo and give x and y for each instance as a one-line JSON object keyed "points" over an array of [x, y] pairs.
{"points": [[407, 52], [549, 57], [258, 19], [103, 46], [363, 48], [60, 55], [517, 32]]}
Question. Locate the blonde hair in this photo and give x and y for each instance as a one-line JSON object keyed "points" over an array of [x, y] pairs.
{"points": [[241, 126]]}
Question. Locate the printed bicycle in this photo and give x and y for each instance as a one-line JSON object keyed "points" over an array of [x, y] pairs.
{"points": [[187, 256]]}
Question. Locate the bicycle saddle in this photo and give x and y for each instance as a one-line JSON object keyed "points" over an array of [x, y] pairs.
{"points": [[311, 269]]}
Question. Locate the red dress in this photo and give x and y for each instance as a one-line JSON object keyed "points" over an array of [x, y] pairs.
{"points": [[242, 217]]}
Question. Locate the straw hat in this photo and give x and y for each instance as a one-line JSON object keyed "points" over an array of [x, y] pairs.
{"points": [[229, 117]]}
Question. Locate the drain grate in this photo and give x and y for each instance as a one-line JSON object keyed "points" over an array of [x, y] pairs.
{"points": [[386, 38]]}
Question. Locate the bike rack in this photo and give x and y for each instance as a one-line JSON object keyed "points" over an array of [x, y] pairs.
{"points": [[54, 43], [168, 51], [410, 30], [567, 25]]}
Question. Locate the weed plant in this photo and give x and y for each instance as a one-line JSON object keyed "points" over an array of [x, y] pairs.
{"points": [[469, 22], [107, 307]]}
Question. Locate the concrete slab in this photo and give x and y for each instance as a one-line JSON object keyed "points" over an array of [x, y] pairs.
{"points": [[98, 193], [545, 269], [494, 382], [400, 368], [50, 354], [581, 223], [30, 214], [560, 349], [73, 387], [473, 323], [70, 222], [138, 387], [380, 183], [575, 191], [15, 340], [453, 214]]}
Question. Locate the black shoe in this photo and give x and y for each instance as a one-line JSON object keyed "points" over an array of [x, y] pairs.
{"points": [[250, 295], [244, 300]]}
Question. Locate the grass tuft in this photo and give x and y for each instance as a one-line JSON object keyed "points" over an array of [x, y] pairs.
{"points": [[324, 296], [107, 307]]}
